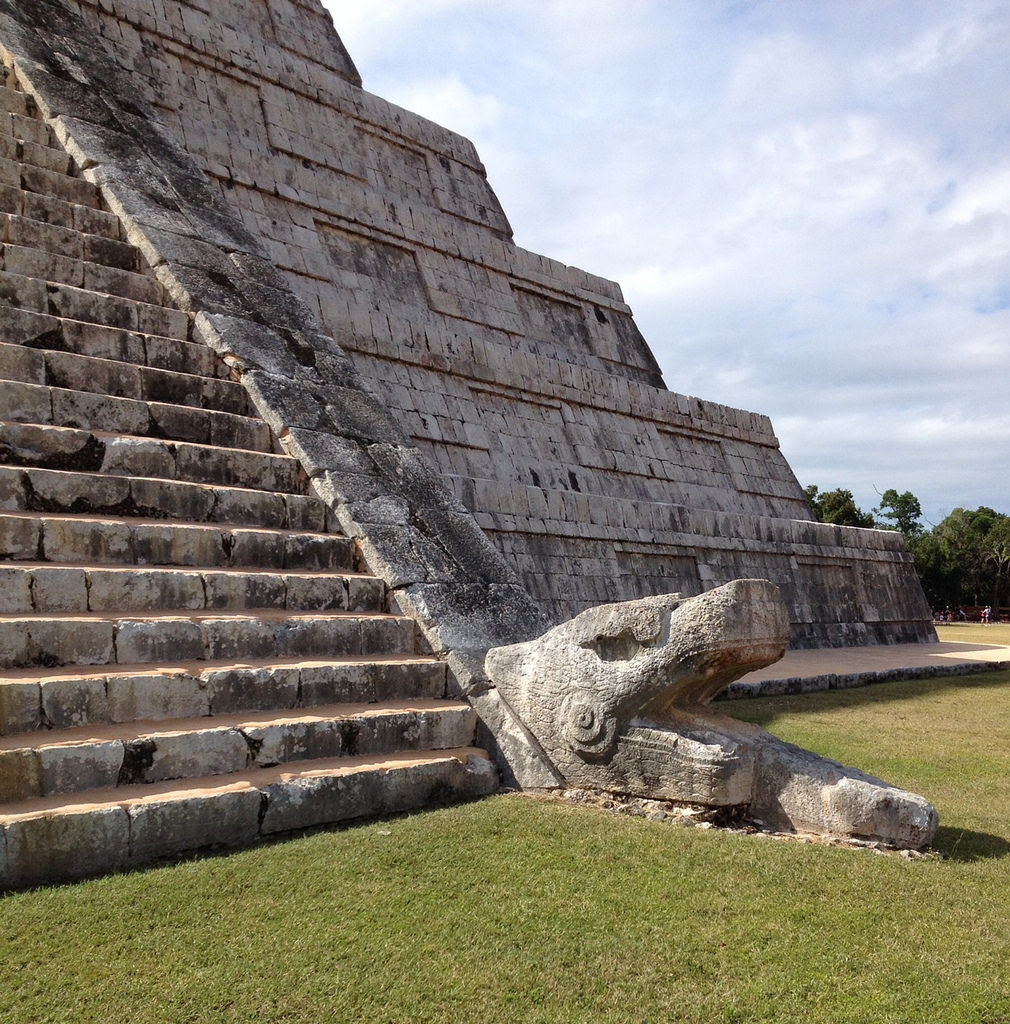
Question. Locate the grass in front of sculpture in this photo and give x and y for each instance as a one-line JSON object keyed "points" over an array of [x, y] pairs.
{"points": [[524, 910]]}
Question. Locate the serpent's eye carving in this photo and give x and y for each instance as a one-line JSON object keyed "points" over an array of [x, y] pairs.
{"points": [[588, 731]]}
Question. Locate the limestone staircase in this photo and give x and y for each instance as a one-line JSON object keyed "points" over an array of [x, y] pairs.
{"points": [[188, 656]]}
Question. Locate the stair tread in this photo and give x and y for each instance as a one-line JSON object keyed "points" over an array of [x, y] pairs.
{"points": [[209, 785], [31, 326], [85, 359], [196, 668], [191, 570], [26, 227], [113, 435], [200, 485], [148, 728], [87, 517], [194, 615], [23, 530]]}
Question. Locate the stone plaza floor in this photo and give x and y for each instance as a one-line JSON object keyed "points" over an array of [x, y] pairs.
{"points": [[840, 667]]}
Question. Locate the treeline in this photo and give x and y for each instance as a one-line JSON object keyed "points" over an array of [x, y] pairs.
{"points": [[963, 561]]}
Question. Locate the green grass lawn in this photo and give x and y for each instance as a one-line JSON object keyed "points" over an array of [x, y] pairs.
{"points": [[521, 910], [975, 633]]}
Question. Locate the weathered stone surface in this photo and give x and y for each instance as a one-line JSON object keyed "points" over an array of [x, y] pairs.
{"points": [[59, 590], [20, 708], [15, 591], [190, 754], [68, 641], [617, 699], [45, 848], [156, 696], [251, 689], [74, 700], [158, 640], [20, 775], [75, 766], [308, 799], [177, 822]]}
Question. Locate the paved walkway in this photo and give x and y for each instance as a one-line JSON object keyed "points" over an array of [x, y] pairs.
{"points": [[841, 667]]}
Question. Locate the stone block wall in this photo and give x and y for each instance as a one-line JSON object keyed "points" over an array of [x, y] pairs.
{"points": [[524, 381]]}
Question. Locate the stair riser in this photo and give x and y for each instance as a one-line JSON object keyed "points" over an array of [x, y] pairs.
{"points": [[36, 641], [42, 331], [79, 266], [39, 849], [25, 127], [25, 538], [35, 252], [65, 703], [119, 379], [83, 451], [99, 226], [48, 182], [41, 490], [14, 102], [28, 590], [29, 773], [24, 402], [38, 296]]}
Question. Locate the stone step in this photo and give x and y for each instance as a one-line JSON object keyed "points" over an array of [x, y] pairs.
{"points": [[63, 448], [64, 255], [94, 276], [187, 658], [57, 838], [32, 699], [45, 167], [127, 380], [58, 228], [168, 636], [100, 224], [115, 311], [56, 761], [25, 292], [14, 102], [42, 331], [25, 139], [34, 587], [30, 174], [58, 491], [23, 402], [118, 379], [91, 540]]}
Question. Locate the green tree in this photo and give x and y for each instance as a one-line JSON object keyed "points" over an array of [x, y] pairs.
{"points": [[996, 552], [965, 560], [837, 507], [902, 512], [938, 571]]}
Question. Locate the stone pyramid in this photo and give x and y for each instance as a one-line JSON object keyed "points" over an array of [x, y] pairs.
{"points": [[294, 433]]}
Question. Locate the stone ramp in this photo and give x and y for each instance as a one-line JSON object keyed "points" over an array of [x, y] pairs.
{"points": [[190, 652]]}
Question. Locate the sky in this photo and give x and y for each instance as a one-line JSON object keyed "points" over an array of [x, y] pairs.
{"points": [[806, 204]]}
